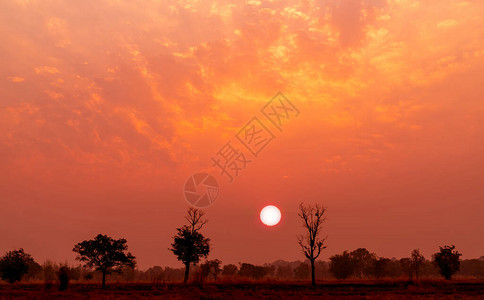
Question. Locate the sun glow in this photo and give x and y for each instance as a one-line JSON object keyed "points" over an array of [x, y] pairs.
{"points": [[270, 215]]}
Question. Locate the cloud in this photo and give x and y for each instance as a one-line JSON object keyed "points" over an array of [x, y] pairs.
{"points": [[46, 70], [447, 23], [15, 79], [165, 65]]}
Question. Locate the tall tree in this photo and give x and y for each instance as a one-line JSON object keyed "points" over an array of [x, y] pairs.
{"points": [[105, 254], [416, 262], [313, 217], [447, 260], [189, 245], [15, 264]]}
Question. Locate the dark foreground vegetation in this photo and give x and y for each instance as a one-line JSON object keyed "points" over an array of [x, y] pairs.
{"points": [[109, 271], [363, 289]]}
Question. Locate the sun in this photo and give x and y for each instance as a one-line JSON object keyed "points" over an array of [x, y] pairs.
{"points": [[270, 215]]}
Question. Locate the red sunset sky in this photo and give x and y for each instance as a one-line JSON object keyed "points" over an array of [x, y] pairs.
{"points": [[107, 107]]}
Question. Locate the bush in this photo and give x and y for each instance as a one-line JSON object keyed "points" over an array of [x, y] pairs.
{"points": [[15, 264], [342, 266], [64, 275], [230, 270]]}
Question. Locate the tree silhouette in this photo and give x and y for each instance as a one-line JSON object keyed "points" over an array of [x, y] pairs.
{"points": [[229, 270], [211, 267], [359, 263], [406, 265], [416, 262], [313, 218], [364, 262], [15, 264], [448, 261], [381, 267], [284, 272], [64, 276], [105, 254], [342, 266], [189, 245], [252, 271], [301, 271]]}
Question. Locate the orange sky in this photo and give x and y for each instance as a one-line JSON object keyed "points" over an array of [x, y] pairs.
{"points": [[108, 106]]}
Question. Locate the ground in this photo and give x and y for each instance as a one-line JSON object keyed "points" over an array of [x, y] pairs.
{"points": [[383, 289]]}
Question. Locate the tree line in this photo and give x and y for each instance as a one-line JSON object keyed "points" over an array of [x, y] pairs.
{"points": [[104, 256]]}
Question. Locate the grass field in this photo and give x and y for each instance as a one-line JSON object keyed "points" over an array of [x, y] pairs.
{"points": [[384, 289]]}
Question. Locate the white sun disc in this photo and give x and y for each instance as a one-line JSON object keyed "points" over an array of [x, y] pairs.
{"points": [[270, 215]]}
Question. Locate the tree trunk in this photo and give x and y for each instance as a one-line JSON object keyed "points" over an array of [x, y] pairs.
{"points": [[104, 280], [313, 277], [187, 271]]}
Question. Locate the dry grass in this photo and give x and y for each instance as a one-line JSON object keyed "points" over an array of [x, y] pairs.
{"points": [[357, 289]]}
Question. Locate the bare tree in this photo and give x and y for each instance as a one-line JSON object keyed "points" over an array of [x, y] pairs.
{"points": [[313, 218]]}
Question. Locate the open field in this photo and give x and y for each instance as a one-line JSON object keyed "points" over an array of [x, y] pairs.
{"points": [[384, 289]]}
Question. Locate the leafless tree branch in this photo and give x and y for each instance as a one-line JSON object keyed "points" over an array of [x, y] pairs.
{"points": [[195, 220]]}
